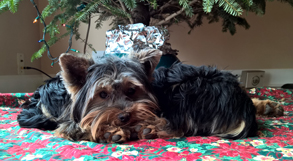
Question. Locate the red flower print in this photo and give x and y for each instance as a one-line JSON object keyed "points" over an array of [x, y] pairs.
{"points": [[290, 141], [276, 139], [281, 131], [6, 126], [3, 112], [113, 159], [288, 108], [24, 148], [74, 150], [202, 140], [157, 143], [127, 157], [7, 99], [13, 116], [170, 156], [193, 156], [234, 150], [2, 99], [98, 147]]}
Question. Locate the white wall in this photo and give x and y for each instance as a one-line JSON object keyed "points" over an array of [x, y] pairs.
{"points": [[18, 35], [267, 45]]}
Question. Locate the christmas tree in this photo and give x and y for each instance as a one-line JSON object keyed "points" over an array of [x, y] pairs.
{"points": [[163, 13]]}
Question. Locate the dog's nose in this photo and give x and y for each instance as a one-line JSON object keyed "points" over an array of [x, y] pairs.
{"points": [[124, 117]]}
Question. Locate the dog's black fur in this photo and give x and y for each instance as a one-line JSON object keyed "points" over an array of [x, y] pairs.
{"points": [[204, 95], [52, 94], [195, 101]]}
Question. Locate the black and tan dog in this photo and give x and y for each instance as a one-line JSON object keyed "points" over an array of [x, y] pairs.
{"points": [[120, 99]]}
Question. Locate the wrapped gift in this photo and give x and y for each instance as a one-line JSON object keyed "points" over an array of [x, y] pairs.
{"points": [[123, 40]]}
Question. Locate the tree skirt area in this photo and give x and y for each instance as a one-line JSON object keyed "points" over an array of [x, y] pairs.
{"points": [[274, 142]]}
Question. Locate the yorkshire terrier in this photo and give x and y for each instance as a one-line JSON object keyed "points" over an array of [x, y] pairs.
{"points": [[117, 99]]}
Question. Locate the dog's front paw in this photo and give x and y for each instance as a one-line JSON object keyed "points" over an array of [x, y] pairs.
{"points": [[114, 135], [268, 108], [145, 131], [153, 132]]}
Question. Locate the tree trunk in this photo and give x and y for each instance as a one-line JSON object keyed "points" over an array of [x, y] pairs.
{"points": [[141, 14]]}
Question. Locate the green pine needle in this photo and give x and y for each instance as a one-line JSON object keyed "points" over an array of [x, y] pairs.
{"points": [[51, 42], [248, 2], [130, 4], [231, 7], [4, 6], [188, 9], [49, 10], [39, 53], [153, 3], [11, 5], [83, 15], [116, 11], [208, 5], [53, 30]]}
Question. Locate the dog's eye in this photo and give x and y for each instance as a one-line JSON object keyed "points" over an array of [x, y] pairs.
{"points": [[103, 94], [130, 91]]}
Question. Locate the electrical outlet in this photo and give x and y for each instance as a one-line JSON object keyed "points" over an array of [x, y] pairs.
{"points": [[252, 78], [20, 63]]}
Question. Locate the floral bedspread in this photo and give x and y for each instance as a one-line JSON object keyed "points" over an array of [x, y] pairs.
{"points": [[275, 141]]}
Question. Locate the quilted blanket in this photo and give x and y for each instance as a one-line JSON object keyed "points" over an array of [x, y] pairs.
{"points": [[274, 142]]}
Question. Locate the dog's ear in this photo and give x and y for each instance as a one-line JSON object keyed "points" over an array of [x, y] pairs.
{"points": [[149, 58], [73, 71]]}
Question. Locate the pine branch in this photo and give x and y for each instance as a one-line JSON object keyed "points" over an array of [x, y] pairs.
{"points": [[87, 34], [115, 11], [39, 53], [49, 10], [161, 9], [130, 4], [83, 15], [153, 3], [208, 5], [116, 4], [102, 17], [187, 7], [231, 7], [174, 14], [51, 42], [11, 5], [124, 9], [4, 6], [248, 2]]}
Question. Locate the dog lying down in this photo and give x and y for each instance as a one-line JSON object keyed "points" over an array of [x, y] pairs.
{"points": [[120, 99]]}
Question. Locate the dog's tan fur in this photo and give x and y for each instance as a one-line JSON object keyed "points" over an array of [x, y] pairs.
{"points": [[268, 108]]}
